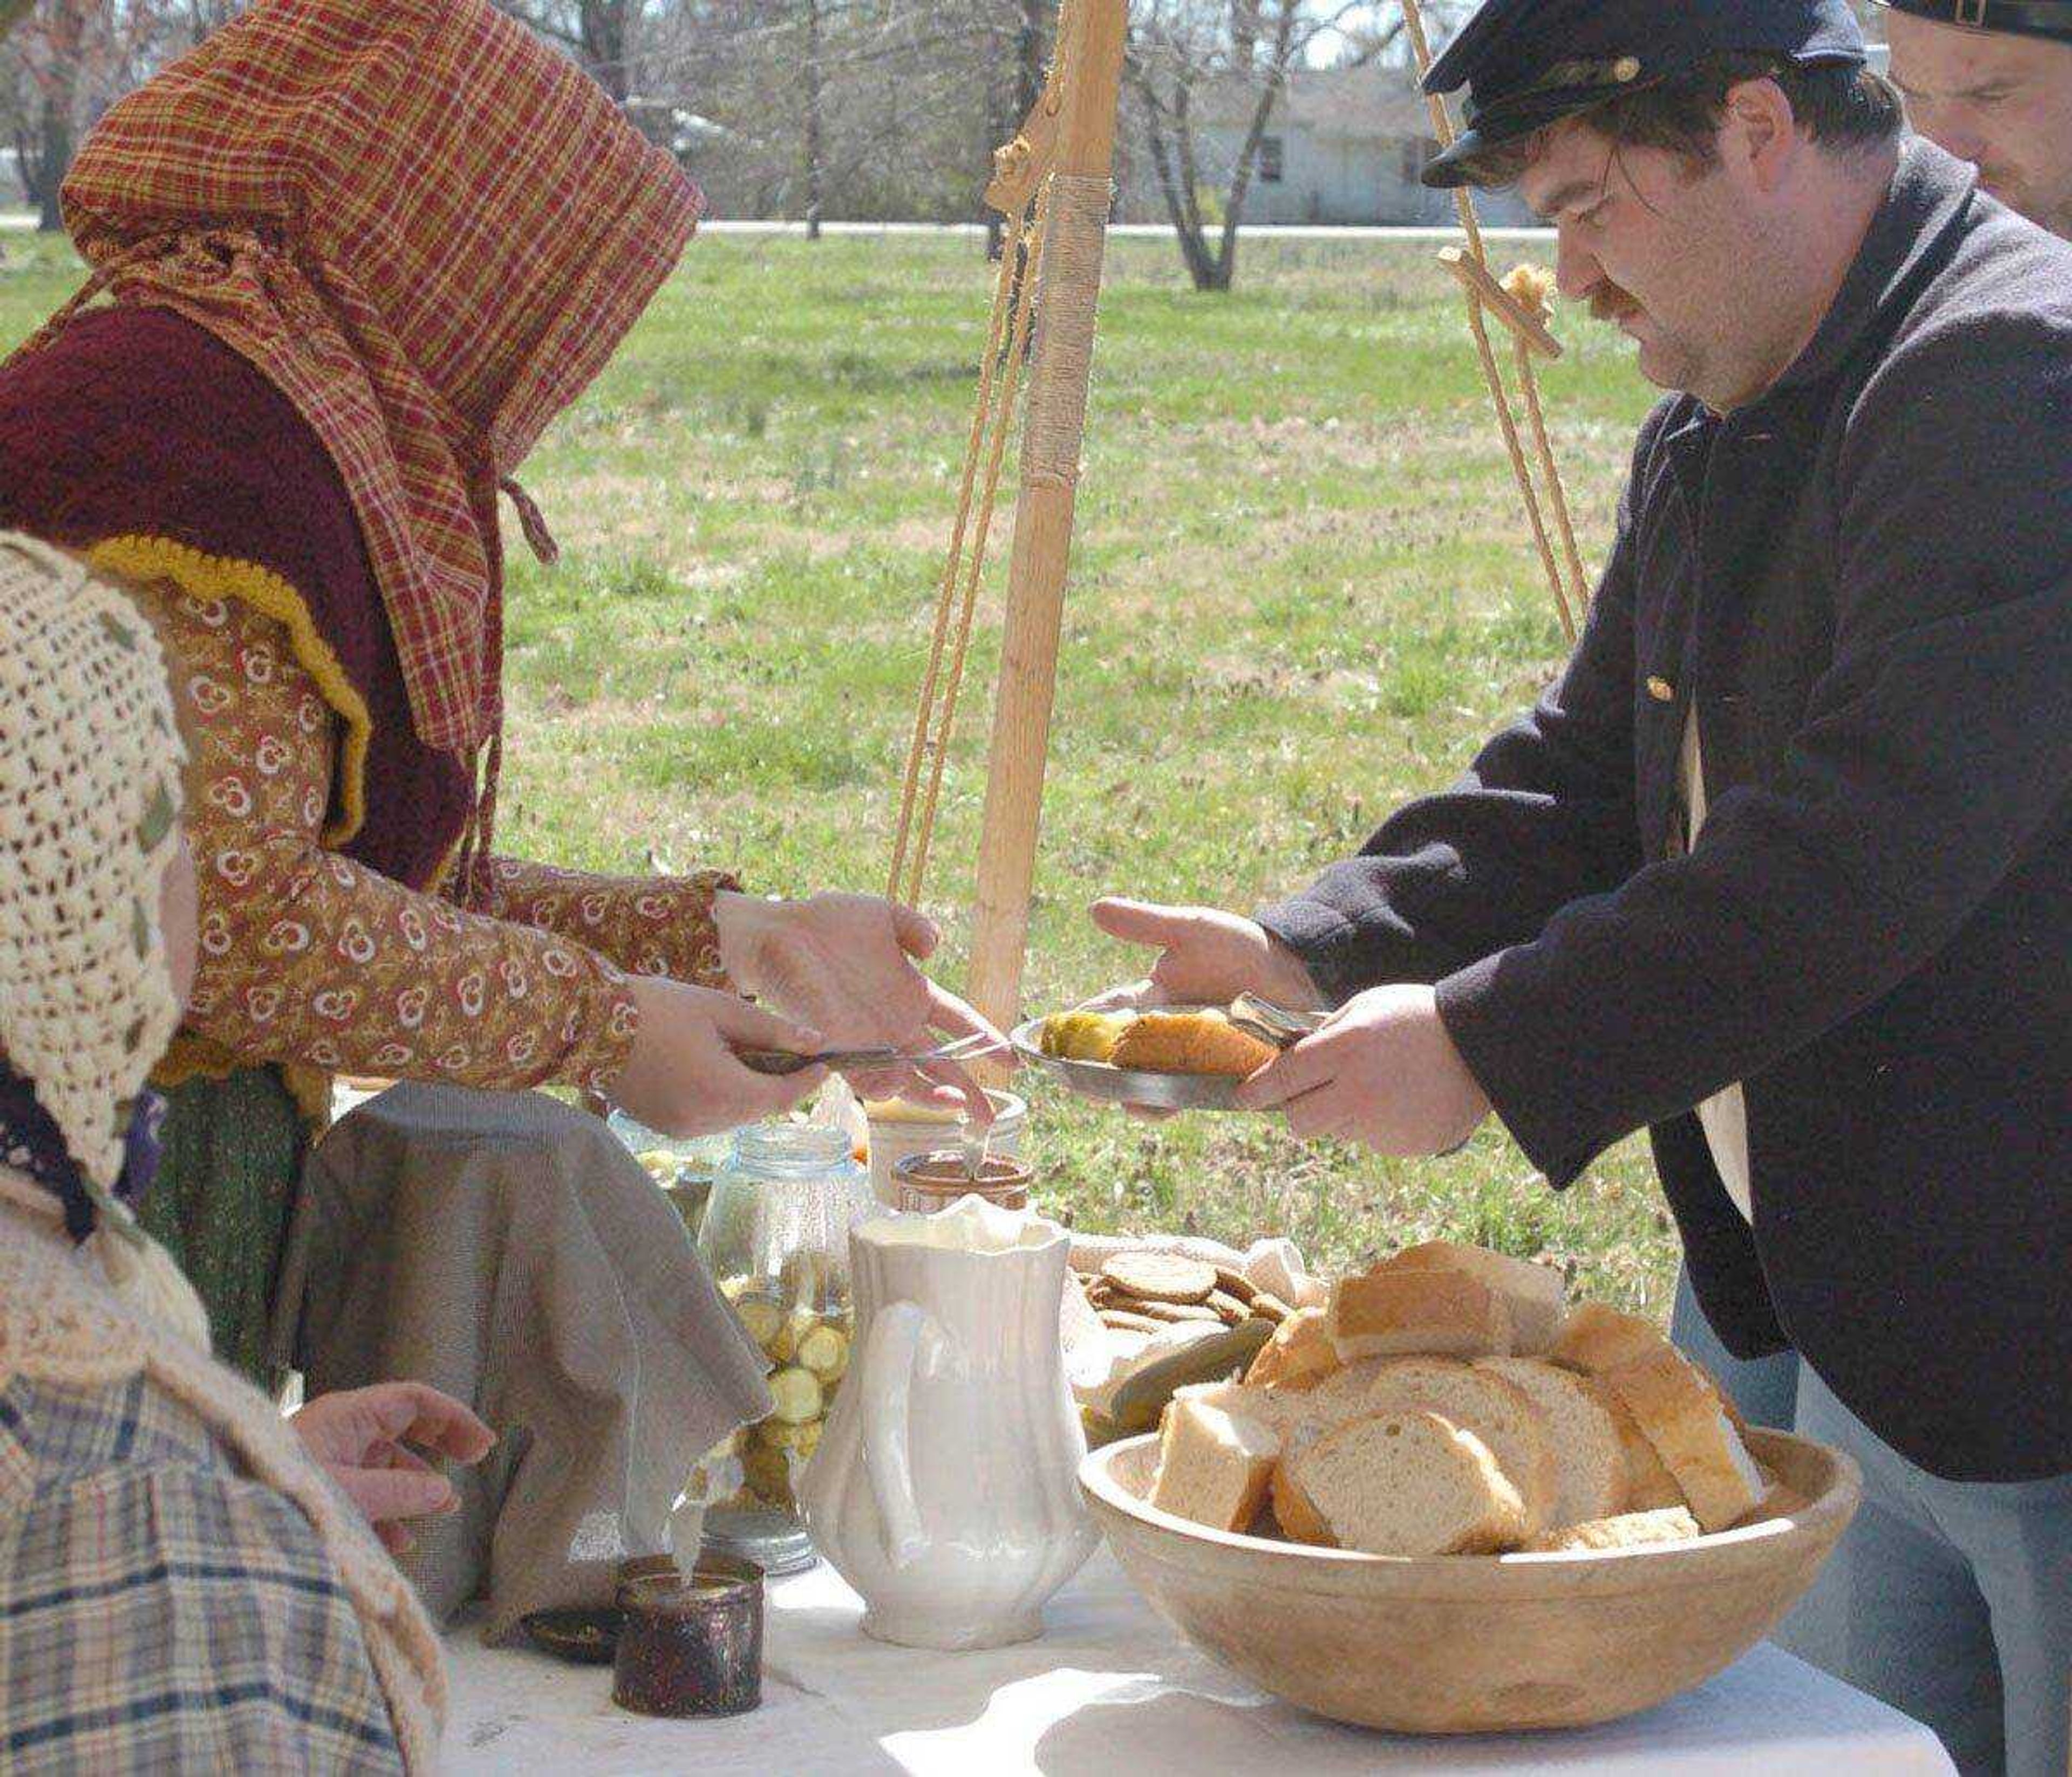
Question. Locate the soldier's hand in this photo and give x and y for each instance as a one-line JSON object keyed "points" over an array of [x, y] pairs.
{"points": [[1206, 957]]}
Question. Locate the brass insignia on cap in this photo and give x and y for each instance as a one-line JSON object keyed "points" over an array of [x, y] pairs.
{"points": [[1625, 69]]}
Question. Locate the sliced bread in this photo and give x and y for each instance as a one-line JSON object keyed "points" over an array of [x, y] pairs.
{"points": [[1399, 1483], [1389, 1313], [1589, 1465], [1649, 1486], [1678, 1410], [1500, 1413], [1532, 1293], [1294, 1510], [1300, 1354], [1215, 1468], [1594, 1338], [1280, 1410], [1628, 1530]]}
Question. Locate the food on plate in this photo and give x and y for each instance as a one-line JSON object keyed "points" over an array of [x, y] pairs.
{"points": [[1614, 1440], [1190, 1043], [1385, 1313], [1627, 1530], [1398, 1483], [1083, 1036], [1214, 1467]]}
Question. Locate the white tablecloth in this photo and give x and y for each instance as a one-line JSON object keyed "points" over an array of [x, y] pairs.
{"points": [[1110, 1689]]}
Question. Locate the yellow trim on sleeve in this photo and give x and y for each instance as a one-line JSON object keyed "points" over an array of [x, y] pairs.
{"points": [[203, 576], [191, 1057]]}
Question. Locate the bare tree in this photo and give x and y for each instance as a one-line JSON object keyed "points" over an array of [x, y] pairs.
{"points": [[815, 145], [204, 16], [73, 57], [1180, 51], [603, 36]]}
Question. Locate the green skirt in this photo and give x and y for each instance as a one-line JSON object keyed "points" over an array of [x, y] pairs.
{"points": [[223, 1200]]}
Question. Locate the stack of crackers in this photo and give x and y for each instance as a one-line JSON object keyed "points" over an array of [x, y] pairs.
{"points": [[1145, 1292]]}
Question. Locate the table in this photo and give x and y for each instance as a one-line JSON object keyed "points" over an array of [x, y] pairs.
{"points": [[1110, 1688]]}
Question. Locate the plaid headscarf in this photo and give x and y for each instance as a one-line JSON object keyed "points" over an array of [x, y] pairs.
{"points": [[429, 231]]}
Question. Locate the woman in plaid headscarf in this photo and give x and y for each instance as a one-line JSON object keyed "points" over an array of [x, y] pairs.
{"points": [[179, 1587], [359, 252]]}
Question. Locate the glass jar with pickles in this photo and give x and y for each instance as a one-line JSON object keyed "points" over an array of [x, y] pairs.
{"points": [[775, 1238]]}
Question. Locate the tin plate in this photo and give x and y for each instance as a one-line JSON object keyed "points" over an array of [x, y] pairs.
{"points": [[1127, 1085]]}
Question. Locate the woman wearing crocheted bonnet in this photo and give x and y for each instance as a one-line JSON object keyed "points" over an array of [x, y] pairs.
{"points": [[357, 253], [181, 1589]]}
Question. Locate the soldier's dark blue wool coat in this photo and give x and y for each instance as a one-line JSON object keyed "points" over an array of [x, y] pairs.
{"points": [[1865, 579]]}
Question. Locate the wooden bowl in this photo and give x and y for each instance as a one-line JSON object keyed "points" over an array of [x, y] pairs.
{"points": [[1472, 1644]]}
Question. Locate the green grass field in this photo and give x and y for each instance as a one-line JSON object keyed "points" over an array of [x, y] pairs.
{"points": [[1303, 589]]}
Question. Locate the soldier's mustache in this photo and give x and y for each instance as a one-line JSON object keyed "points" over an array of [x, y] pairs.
{"points": [[1609, 302]]}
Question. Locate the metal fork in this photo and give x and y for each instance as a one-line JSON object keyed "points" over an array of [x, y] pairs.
{"points": [[786, 1061]]}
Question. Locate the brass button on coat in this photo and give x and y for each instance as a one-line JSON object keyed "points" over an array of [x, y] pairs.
{"points": [[1661, 690]]}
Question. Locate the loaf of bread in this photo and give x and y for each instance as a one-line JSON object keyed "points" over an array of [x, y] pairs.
{"points": [[1214, 1467], [1678, 1410], [1532, 1293], [1629, 1530], [1589, 1463], [1190, 1043], [1398, 1483], [1391, 1312]]}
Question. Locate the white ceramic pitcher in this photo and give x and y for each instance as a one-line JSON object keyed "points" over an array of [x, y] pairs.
{"points": [[944, 1487]]}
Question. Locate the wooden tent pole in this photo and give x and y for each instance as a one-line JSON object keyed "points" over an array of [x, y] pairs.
{"points": [[1037, 569]]}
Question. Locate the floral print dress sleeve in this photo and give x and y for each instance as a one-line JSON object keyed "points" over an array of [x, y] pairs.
{"points": [[648, 925], [310, 958]]}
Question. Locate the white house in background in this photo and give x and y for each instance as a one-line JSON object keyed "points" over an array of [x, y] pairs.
{"points": [[1344, 146]]}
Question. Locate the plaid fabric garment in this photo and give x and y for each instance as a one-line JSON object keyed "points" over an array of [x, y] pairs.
{"points": [[430, 231], [160, 1612]]}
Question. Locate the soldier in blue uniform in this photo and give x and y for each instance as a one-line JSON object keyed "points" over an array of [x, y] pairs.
{"points": [[1780, 869]]}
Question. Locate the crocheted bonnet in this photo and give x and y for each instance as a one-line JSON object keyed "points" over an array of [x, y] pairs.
{"points": [[90, 760]]}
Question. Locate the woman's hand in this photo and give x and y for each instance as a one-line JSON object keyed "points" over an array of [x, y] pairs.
{"points": [[846, 965], [362, 1438], [683, 1077]]}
